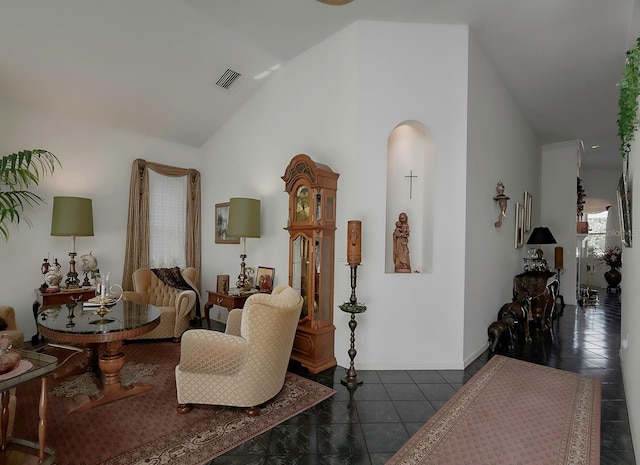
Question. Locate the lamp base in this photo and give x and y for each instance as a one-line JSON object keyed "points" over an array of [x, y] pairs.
{"points": [[72, 280], [243, 279]]}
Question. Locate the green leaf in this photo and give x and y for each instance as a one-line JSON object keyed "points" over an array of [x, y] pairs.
{"points": [[18, 173]]}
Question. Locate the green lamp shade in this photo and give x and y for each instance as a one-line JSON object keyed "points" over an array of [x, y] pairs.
{"points": [[244, 218], [72, 216]]}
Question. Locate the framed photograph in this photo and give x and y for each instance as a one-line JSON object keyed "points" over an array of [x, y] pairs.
{"points": [[518, 240], [623, 197], [528, 211], [264, 278], [222, 284], [222, 221]]}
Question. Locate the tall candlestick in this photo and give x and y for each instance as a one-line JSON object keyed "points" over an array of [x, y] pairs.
{"points": [[354, 242], [559, 258]]}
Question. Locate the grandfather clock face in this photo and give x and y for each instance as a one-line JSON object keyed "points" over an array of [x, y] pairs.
{"points": [[302, 204]]}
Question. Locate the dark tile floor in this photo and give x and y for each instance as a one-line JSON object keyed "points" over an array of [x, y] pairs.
{"points": [[369, 425]]}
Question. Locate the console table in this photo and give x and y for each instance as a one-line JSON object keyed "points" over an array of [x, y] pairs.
{"points": [[62, 297], [227, 301]]}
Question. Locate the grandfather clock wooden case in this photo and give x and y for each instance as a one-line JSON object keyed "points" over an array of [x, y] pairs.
{"points": [[312, 224]]}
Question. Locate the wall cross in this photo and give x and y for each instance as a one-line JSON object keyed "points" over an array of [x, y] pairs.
{"points": [[411, 176]]}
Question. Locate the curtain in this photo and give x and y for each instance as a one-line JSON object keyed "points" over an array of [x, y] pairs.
{"points": [[137, 247]]}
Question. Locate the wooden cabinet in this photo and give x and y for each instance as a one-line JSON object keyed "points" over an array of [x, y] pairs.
{"points": [[311, 224]]}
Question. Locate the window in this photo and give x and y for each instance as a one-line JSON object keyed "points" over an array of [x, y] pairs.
{"points": [[167, 220], [597, 233], [139, 236]]}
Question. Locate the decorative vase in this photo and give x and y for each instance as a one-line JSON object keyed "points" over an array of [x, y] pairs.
{"points": [[53, 278], [613, 278]]}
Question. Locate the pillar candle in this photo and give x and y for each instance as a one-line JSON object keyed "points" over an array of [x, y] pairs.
{"points": [[558, 258], [354, 242]]}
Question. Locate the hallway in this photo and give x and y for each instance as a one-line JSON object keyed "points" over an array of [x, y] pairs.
{"points": [[381, 415]]}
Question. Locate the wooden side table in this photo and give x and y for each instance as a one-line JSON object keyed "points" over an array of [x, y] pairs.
{"points": [[63, 297], [224, 300]]}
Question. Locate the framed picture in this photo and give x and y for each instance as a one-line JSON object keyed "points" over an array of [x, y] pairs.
{"points": [[264, 278], [518, 240], [222, 284], [528, 211], [623, 197], [222, 221]]}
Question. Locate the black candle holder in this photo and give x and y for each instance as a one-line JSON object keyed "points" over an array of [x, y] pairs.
{"points": [[353, 307]]}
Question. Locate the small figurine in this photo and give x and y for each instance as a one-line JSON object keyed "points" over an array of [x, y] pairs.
{"points": [[401, 258], [502, 203], [44, 268]]}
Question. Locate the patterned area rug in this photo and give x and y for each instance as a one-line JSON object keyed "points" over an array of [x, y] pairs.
{"points": [[512, 412], [87, 383], [146, 429]]}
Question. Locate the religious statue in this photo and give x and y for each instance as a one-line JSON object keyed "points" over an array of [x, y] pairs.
{"points": [[401, 245]]}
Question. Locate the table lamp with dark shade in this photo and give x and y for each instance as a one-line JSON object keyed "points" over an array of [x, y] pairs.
{"points": [[244, 221], [541, 235], [72, 216]]}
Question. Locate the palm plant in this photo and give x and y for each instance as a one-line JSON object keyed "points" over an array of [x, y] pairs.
{"points": [[19, 172]]}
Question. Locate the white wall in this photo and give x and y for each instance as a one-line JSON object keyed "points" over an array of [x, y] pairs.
{"points": [[630, 325], [501, 147], [558, 208], [338, 103], [96, 163]]}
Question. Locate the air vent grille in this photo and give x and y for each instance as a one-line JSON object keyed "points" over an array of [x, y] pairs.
{"points": [[228, 78]]}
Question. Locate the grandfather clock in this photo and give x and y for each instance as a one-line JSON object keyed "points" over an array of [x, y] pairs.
{"points": [[312, 224]]}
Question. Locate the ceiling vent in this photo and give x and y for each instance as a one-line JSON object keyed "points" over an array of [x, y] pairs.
{"points": [[228, 79]]}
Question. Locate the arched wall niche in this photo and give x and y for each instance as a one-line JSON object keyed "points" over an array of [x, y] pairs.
{"points": [[410, 190]]}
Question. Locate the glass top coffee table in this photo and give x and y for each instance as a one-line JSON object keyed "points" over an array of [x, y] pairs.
{"points": [[78, 323], [22, 450]]}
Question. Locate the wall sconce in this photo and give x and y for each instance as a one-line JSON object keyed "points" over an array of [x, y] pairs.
{"points": [[502, 203]]}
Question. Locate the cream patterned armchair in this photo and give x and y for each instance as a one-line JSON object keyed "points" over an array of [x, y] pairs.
{"points": [[8, 314], [177, 306], [246, 365]]}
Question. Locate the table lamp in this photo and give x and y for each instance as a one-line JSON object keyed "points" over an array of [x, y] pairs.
{"points": [[541, 235], [72, 216], [244, 221]]}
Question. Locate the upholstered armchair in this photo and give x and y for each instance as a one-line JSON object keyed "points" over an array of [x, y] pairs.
{"points": [[8, 314], [176, 306], [246, 365]]}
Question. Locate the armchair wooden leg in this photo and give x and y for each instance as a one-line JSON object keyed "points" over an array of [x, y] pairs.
{"points": [[253, 411], [184, 408]]}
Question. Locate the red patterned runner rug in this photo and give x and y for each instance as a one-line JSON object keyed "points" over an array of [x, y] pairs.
{"points": [[146, 429], [512, 412]]}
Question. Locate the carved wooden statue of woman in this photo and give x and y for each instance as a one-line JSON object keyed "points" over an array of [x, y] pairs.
{"points": [[401, 258]]}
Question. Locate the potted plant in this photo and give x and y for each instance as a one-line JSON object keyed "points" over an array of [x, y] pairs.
{"points": [[582, 227], [18, 173], [628, 101], [613, 257]]}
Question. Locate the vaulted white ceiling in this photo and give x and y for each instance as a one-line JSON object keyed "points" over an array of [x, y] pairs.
{"points": [[150, 66]]}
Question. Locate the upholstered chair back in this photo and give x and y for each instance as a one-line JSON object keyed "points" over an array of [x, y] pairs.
{"points": [[268, 325], [8, 314], [177, 306], [157, 293]]}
